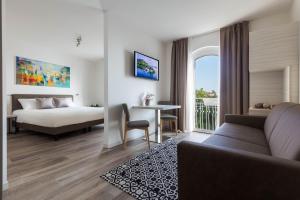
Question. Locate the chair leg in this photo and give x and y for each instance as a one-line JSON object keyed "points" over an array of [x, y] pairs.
{"points": [[161, 129], [176, 127], [125, 136], [161, 126], [147, 137]]}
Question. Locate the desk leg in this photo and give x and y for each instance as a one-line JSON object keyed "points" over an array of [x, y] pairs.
{"points": [[8, 125], [157, 129]]}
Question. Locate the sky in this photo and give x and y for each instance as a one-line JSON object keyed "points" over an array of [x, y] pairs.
{"points": [[207, 73]]}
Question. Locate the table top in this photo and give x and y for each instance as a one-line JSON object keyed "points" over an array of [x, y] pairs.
{"points": [[158, 107], [11, 116]]}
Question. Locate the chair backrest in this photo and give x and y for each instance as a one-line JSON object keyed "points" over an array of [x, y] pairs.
{"points": [[126, 111], [170, 112], [165, 103]]}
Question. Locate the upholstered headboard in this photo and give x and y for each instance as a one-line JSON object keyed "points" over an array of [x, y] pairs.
{"points": [[16, 104]]}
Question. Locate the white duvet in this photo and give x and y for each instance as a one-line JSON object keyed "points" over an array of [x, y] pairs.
{"points": [[57, 117]]}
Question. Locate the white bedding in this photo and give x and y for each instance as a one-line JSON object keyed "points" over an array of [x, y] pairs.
{"points": [[58, 117]]}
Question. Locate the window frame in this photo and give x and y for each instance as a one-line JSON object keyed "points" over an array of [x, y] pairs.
{"points": [[198, 54]]}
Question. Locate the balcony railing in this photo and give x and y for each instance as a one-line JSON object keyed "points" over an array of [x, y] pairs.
{"points": [[206, 116]]}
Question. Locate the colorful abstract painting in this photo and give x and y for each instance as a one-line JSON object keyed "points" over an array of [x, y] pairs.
{"points": [[38, 73]]}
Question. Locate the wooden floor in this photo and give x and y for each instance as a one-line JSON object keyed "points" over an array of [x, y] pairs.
{"points": [[40, 168]]}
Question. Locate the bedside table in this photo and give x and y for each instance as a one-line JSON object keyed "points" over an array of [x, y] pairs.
{"points": [[11, 124]]}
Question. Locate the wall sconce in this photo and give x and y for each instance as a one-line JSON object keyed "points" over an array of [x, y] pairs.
{"points": [[76, 98], [78, 41]]}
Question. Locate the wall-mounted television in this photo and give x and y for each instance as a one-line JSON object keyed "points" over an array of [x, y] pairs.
{"points": [[146, 66]]}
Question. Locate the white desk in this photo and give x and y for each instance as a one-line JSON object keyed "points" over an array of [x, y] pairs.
{"points": [[157, 109]]}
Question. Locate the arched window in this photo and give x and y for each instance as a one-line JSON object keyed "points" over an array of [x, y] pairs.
{"points": [[206, 84]]}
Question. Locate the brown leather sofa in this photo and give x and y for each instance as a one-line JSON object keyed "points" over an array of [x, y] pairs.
{"points": [[248, 157]]}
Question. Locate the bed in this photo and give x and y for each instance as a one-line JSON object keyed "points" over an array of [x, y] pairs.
{"points": [[55, 121]]}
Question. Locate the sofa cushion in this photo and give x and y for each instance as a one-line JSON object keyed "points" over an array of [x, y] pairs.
{"points": [[244, 133], [223, 141], [285, 138], [274, 117]]}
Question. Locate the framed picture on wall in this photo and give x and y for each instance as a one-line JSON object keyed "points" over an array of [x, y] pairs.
{"points": [[38, 73]]}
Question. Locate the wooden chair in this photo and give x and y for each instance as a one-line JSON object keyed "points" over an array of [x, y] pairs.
{"points": [[130, 125], [167, 117]]}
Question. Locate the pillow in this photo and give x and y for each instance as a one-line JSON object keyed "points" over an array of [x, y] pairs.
{"points": [[63, 102], [28, 104], [45, 103]]}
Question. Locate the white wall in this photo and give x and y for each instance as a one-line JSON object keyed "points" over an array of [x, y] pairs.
{"points": [[165, 72], [96, 88], [200, 45], [120, 84], [267, 87], [273, 47], [81, 71], [4, 103], [273, 20], [205, 40], [46, 31], [296, 10], [295, 13], [195, 43]]}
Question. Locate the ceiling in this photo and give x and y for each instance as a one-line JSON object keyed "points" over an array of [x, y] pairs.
{"points": [[88, 3], [56, 24], [163, 19], [173, 19]]}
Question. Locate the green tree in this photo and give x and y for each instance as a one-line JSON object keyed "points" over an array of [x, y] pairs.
{"points": [[214, 94], [201, 93]]}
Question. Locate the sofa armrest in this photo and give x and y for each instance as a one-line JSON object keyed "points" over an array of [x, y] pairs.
{"points": [[209, 172], [246, 120]]}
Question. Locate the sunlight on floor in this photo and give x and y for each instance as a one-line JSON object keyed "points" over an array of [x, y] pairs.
{"points": [[196, 136]]}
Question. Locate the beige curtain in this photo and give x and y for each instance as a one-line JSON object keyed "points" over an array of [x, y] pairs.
{"points": [[179, 65], [234, 88]]}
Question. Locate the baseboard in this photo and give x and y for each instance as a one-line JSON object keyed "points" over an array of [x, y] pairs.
{"points": [[132, 137], [136, 136], [5, 186], [111, 145]]}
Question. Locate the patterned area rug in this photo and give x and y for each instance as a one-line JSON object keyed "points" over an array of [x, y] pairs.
{"points": [[150, 175]]}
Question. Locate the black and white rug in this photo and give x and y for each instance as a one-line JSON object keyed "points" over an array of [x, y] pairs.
{"points": [[151, 175]]}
